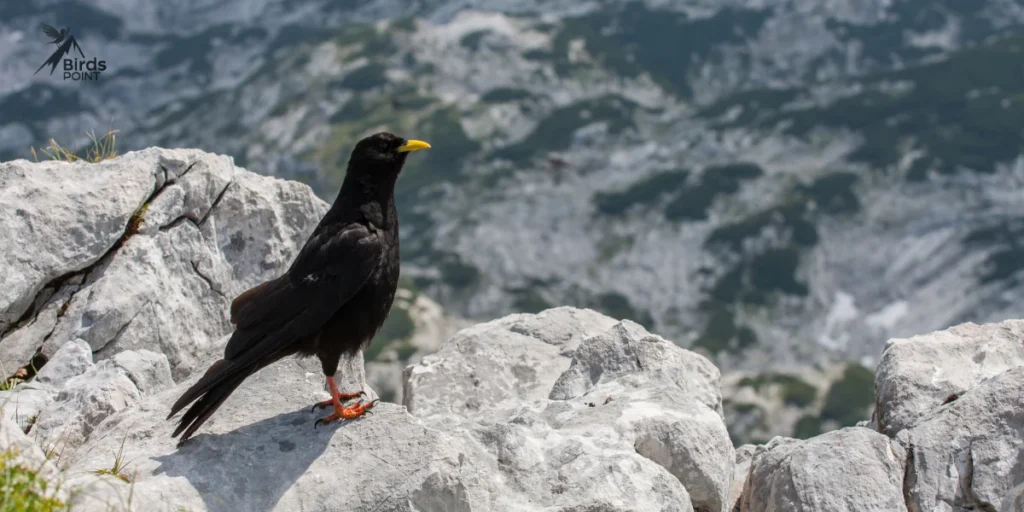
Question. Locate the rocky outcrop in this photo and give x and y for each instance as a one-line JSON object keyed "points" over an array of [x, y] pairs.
{"points": [[849, 469], [918, 375], [142, 252], [567, 410], [555, 402], [950, 417]]}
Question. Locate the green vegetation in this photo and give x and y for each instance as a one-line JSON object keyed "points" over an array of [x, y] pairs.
{"points": [[795, 391], [755, 277], [365, 78], [398, 326], [693, 203], [756, 105], [611, 245], [885, 42], [807, 427], [775, 271], [471, 41], [404, 24], [644, 192], [453, 145], [555, 131], [529, 300], [372, 43], [664, 44], [119, 467], [457, 274], [24, 489], [1008, 259], [505, 95], [722, 334], [788, 218], [833, 193], [966, 111], [688, 202], [618, 306], [405, 350], [102, 148], [850, 397]]}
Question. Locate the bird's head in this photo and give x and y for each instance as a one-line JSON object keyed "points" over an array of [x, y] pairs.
{"points": [[382, 155]]}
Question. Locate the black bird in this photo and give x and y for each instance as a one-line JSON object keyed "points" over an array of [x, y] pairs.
{"points": [[331, 301], [57, 35]]}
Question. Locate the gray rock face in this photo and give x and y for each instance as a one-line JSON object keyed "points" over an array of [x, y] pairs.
{"points": [[918, 374], [63, 218], [71, 360], [638, 431], [853, 469], [519, 361], [23, 404], [142, 252], [561, 410], [111, 386], [261, 452], [969, 453]]}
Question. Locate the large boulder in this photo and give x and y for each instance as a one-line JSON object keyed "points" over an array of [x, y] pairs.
{"points": [[850, 470], [556, 401], [918, 374], [969, 453], [84, 401], [142, 252], [637, 428], [260, 451]]}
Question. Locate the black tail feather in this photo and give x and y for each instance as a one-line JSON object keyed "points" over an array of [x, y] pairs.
{"points": [[211, 390]]}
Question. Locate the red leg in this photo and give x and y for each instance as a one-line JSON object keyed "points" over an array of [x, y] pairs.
{"points": [[341, 412], [336, 396]]}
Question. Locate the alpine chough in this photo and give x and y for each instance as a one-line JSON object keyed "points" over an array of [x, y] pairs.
{"points": [[331, 301]]}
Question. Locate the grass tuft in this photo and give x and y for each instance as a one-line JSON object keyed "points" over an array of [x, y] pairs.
{"points": [[103, 148], [119, 467], [23, 488]]}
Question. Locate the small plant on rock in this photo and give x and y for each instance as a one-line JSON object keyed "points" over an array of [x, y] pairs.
{"points": [[118, 469], [25, 488], [103, 148]]}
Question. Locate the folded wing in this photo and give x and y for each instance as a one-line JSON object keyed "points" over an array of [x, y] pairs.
{"points": [[334, 264]]}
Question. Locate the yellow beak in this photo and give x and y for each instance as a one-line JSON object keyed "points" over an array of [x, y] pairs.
{"points": [[413, 145]]}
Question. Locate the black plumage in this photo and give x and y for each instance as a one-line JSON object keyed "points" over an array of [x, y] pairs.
{"points": [[331, 301]]}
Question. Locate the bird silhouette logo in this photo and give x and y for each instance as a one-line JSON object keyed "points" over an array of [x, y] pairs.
{"points": [[65, 44]]}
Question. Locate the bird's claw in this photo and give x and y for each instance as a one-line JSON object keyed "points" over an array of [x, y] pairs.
{"points": [[341, 397], [347, 413]]}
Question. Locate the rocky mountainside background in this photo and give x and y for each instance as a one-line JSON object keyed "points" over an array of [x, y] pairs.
{"points": [[116, 294], [780, 186]]}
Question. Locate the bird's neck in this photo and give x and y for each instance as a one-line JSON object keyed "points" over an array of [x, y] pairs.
{"points": [[357, 188]]}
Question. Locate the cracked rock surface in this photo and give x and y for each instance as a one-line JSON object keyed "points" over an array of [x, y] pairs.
{"points": [[142, 252], [579, 412]]}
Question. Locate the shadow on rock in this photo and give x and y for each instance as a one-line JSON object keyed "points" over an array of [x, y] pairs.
{"points": [[251, 467]]}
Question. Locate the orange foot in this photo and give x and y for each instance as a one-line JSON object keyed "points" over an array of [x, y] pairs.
{"points": [[347, 413], [336, 396], [341, 398]]}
